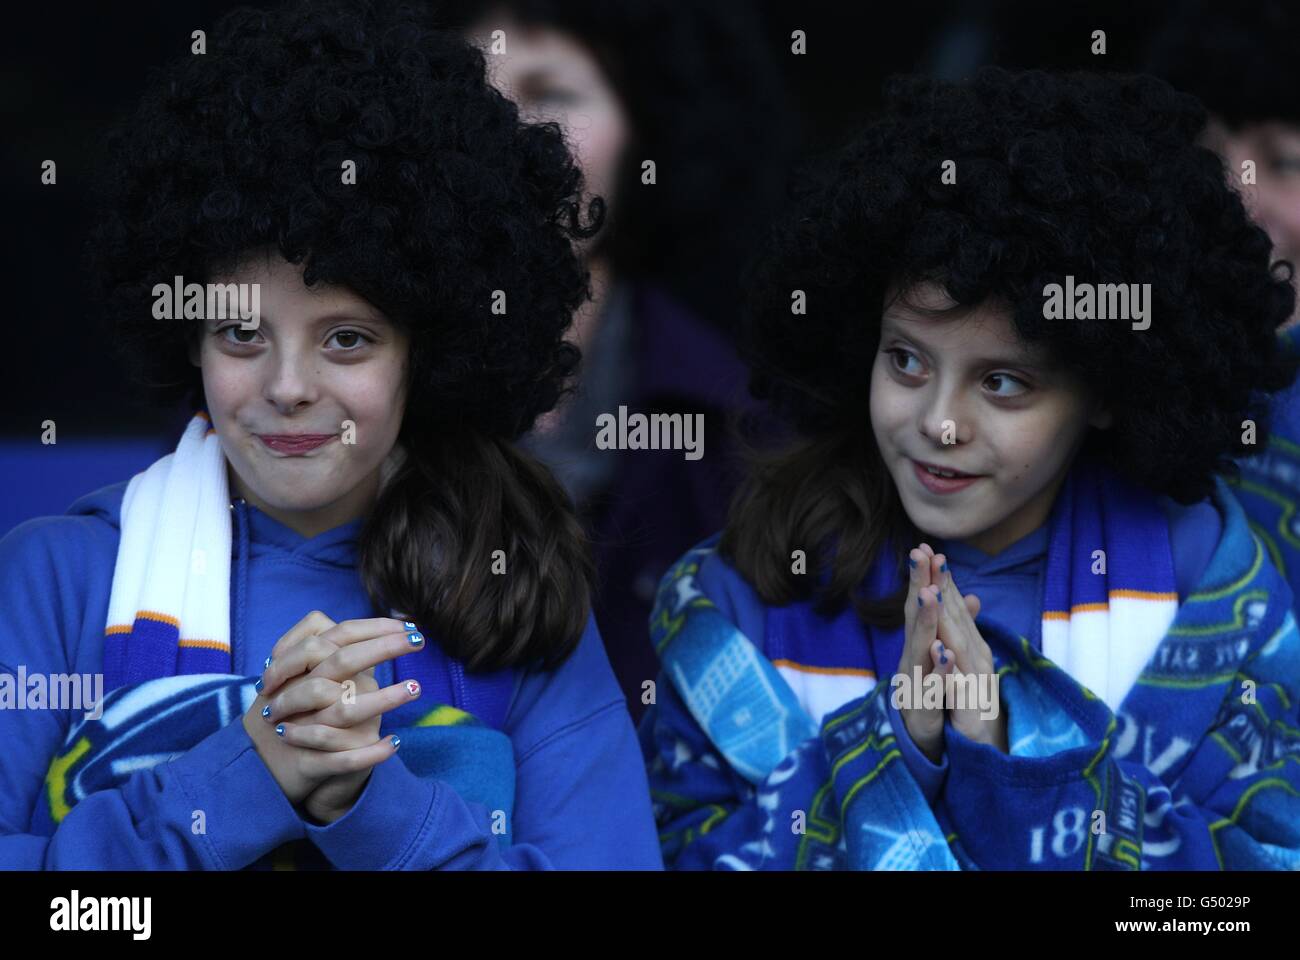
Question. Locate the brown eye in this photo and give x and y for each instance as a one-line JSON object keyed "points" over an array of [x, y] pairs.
{"points": [[354, 339], [225, 333], [902, 360], [1007, 385]]}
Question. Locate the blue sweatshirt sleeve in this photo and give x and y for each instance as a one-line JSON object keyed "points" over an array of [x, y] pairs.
{"points": [[929, 776], [54, 579], [581, 798]]}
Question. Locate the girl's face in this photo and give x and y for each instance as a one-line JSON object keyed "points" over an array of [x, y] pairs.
{"points": [[958, 392], [322, 364]]}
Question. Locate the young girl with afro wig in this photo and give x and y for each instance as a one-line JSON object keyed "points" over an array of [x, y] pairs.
{"points": [[346, 553], [995, 606]]}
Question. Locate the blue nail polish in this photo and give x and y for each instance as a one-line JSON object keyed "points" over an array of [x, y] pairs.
{"points": [[943, 566], [397, 741], [911, 563], [920, 602], [409, 625], [941, 598], [279, 729], [415, 638], [944, 658], [267, 664], [266, 711], [258, 686]]}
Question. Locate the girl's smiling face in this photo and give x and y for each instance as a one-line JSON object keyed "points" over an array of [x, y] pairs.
{"points": [[317, 359], [955, 390]]}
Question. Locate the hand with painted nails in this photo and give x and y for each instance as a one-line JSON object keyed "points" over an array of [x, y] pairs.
{"points": [[315, 722], [971, 657], [922, 650]]}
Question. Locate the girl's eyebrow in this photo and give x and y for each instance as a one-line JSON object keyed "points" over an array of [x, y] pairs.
{"points": [[1023, 360], [348, 316]]}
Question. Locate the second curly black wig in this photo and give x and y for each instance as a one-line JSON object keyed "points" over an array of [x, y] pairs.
{"points": [[245, 147], [1088, 175]]}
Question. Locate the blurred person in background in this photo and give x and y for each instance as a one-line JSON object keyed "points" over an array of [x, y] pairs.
{"points": [[1243, 62], [691, 88]]}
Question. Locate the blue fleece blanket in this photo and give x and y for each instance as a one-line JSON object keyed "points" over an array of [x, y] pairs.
{"points": [[1269, 483]]}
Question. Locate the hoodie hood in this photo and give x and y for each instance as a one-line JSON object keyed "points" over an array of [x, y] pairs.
{"points": [[264, 534]]}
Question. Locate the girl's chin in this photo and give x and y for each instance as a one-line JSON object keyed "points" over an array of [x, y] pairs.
{"points": [[938, 522], [296, 499]]}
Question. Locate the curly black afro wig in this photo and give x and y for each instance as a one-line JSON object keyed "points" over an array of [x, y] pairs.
{"points": [[243, 148], [1088, 175]]}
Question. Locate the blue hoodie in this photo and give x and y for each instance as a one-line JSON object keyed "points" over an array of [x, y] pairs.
{"points": [[581, 797]]}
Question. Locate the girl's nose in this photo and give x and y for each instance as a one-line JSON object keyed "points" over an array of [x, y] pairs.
{"points": [[942, 421], [291, 383]]}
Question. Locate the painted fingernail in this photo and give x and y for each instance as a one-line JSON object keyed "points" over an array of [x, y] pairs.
{"points": [[920, 602], [267, 664], [266, 712], [415, 638], [258, 686], [413, 688], [911, 563], [409, 625], [396, 740], [941, 598], [279, 729], [943, 566], [943, 658]]}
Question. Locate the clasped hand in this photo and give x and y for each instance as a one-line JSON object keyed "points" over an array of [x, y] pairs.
{"points": [[941, 637], [315, 722]]}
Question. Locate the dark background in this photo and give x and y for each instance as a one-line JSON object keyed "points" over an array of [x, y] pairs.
{"points": [[69, 70]]}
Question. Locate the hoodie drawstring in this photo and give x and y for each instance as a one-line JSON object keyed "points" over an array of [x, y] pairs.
{"points": [[241, 578]]}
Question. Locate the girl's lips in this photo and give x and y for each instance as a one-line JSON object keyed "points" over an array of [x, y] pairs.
{"points": [[296, 445], [936, 484]]}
